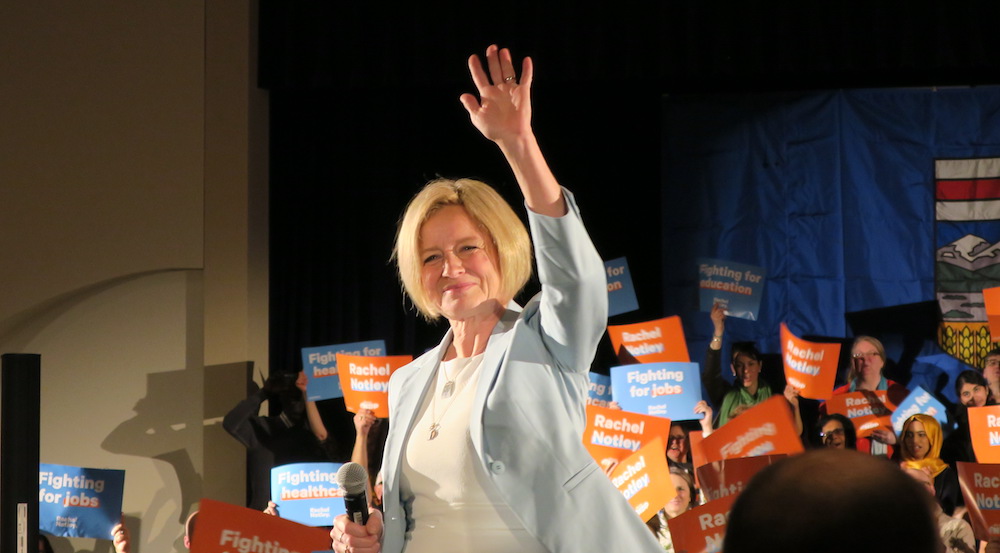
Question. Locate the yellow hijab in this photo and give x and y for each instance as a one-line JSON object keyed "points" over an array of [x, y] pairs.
{"points": [[932, 461]]}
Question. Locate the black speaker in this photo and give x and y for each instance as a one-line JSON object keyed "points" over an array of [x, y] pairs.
{"points": [[21, 397]]}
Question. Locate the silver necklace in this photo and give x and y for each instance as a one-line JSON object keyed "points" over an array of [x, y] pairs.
{"points": [[446, 392]]}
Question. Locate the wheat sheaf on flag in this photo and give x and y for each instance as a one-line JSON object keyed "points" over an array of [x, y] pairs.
{"points": [[967, 252]]}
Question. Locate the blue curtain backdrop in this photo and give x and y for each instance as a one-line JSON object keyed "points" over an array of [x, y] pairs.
{"points": [[831, 192]]}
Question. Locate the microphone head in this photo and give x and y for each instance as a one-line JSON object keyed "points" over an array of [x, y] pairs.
{"points": [[352, 478]]}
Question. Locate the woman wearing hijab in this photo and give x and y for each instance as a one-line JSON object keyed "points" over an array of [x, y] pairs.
{"points": [[920, 448]]}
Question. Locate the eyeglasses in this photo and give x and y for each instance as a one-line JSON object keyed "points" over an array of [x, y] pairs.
{"points": [[868, 355], [833, 433]]}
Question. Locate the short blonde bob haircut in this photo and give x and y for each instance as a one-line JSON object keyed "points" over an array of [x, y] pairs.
{"points": [[853, 374], [488, 210]]}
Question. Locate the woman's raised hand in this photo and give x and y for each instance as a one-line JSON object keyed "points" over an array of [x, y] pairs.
{"points": [[503, 110]]}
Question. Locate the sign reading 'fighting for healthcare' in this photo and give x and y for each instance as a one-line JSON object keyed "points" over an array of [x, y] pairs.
{"points": [[79, 502], [810, 367], [307, 493], [662, 389], [365, 381], [320, 365], [600, 390]]}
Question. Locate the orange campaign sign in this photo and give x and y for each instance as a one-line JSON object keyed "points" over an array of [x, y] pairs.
{"points": [[730, 476], [697, 454], [764, 429], [615, 434], [644, 479], [867, 410], [365, 381], [810, 367], [984, 428], [981, 488], [702, 529], [991, 297], [656, 341], [223, 528]]}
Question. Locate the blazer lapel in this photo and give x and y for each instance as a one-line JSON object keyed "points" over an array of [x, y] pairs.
{"points": [[496, 349], [410, 401]]}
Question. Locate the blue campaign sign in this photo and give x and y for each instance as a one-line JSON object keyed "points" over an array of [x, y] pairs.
{"points": [[919, 401], [320, 365], [736, 286], [307, 493], [77, 502], [621, 293], [663, 389], [600, 390]]}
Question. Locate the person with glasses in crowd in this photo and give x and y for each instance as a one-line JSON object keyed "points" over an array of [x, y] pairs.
{"points": [[835, 431], [865, 375]]}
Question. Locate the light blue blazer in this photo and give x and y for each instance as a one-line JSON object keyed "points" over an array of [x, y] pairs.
{"points": [[529, 407]]}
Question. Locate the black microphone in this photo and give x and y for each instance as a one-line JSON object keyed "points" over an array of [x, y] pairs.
{"points": [[353, 479]]}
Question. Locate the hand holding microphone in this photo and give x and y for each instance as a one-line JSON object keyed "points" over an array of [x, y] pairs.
{"points": [[360, 530]]}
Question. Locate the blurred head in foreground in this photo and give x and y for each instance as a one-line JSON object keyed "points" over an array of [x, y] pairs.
{"points": [[832, 500]]}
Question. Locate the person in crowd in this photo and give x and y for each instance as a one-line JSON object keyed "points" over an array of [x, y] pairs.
{"points": [[748, 389], [275, 440], [836, 431], [972, 390], [865, 374], [686, 498], [365, 424], [679, 439], [921, 449], [831, 501], [484, 453], [956, 534], [991, 371]]}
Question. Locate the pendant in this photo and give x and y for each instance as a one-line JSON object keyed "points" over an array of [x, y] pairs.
{"points": [[449, 388], [434, 430]]}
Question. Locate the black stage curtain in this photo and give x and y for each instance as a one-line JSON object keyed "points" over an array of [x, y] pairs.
{"points": [[364, 109]]}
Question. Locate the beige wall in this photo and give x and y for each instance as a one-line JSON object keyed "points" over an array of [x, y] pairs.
{"points": [[133, 252]]}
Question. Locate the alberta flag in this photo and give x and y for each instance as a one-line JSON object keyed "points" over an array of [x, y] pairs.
{"points": [[967, 254]]}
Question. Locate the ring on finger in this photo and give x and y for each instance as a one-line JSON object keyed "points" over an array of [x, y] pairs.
{"points": [[508, 79]]}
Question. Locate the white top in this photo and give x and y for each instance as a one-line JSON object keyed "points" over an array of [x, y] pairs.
{"points": [[454, 507]]}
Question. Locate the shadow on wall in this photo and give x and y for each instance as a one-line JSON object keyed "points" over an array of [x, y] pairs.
{"points": [[166, 427]]}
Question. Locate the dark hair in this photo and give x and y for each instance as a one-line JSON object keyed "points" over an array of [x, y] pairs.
{"points": [[850, 436], [975, 378], [992, 352], [748, 349]]}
